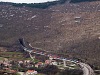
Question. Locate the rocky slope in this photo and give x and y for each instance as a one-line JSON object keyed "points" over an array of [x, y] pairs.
{"points": [[72, 29]]}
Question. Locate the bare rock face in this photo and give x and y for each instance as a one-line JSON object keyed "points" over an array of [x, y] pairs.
{"points": [[72, 29]]}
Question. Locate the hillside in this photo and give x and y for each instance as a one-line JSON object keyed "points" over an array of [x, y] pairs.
{"points": [[71, 29]]}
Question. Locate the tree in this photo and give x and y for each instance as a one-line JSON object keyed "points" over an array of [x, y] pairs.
{"points": [[50, 70], [72, 72]]}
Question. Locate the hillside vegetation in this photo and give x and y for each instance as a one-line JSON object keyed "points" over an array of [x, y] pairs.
{"points": [[71, 29], [45, 4]]}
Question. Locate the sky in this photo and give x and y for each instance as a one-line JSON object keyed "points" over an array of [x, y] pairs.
{"points": [[26, 1]]}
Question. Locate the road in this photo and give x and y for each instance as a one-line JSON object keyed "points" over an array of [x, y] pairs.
{"points": [[87, 70]]}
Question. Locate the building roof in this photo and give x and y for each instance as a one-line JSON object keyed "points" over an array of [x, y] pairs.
{"points": [[31, 71]]}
